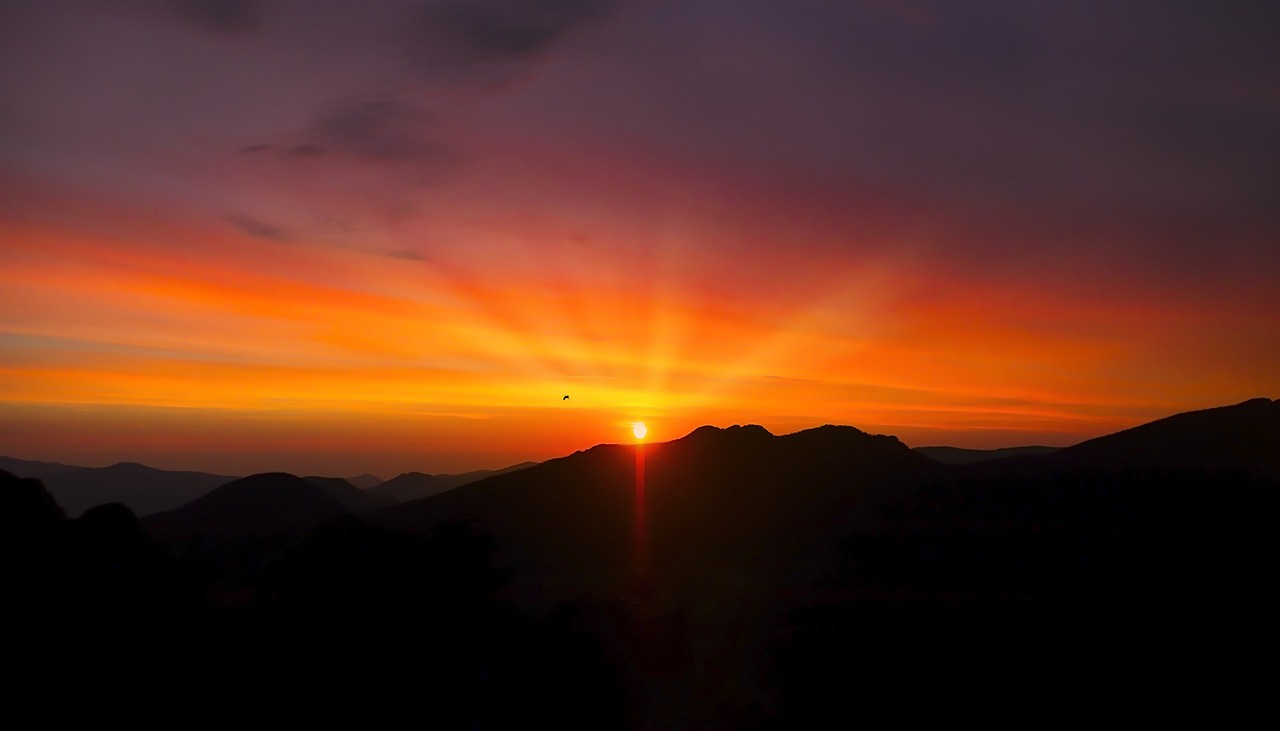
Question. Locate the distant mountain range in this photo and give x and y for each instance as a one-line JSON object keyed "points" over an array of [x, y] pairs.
{"points": [[957, 455], [272, 505], [350, 497], [409, 486], [365, 481], [147, 490], [144, 490], [416, 485], [31, 468], [1235, 437]]}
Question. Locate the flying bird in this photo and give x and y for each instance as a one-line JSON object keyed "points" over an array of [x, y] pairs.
{"points": [[566, 398]]}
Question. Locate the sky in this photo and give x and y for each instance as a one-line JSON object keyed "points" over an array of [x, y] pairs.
{"points": [[332, 237]]}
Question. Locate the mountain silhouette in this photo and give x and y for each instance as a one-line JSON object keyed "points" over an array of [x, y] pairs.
{"points": [[348, 495], [451, 481], [1110, 520], [145, 490], [269, 505], [86, 589], [408, 486], [32, 468], [365, 481], [957, 455], [734, 520], [718, 501], [27, 511], [1241, 437], [417, 485], [1146, 549]]}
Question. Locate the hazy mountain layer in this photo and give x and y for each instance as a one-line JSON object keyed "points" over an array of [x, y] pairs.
{"points": [[145, 490], [957, 455]]}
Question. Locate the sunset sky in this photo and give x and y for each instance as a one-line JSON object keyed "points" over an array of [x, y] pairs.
{"points": [[323, 236]]}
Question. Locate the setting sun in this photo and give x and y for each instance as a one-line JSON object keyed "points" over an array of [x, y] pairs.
{"points": [[639, 429]]}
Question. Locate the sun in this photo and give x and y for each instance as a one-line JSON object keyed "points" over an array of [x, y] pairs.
{"points": [[639, 429]]}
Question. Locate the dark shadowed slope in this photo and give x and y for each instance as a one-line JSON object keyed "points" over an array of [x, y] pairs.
{"points": [[1149, 510], [32, 468], [409, 486], [1242, 437], [418, 485], [267, 505], [957, 455], [144, 490], [348, 495], [365, 481], [718, 505], [1147, 553], [466, 478]]}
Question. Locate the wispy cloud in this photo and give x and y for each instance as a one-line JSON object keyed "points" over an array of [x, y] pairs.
{"points": [[388, 132], [469, 36], [405, 254], [374, 129], [218, 16], [315, 236], [258, 228]]}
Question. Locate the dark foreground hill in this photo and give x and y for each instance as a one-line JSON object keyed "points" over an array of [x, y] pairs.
{"points": [[350, 620]]}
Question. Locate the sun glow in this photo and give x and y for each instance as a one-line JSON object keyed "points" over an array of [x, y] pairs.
{"points": [[639, 429]]}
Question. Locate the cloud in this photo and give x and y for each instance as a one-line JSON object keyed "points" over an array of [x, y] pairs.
{"points": [[789, 379], [259, 228], [389, 131], [405, 254], [218, 16], [305, 150], [454, 36], [380, 129], [331, 235]]}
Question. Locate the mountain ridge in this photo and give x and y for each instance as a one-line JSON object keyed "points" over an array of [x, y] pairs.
{"points": [[269, 504], [961, 455], [1244, 435], [144, 490], [570, 519]]}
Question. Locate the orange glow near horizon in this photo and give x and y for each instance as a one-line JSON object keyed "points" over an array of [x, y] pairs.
{"points": [[134, 348]]}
